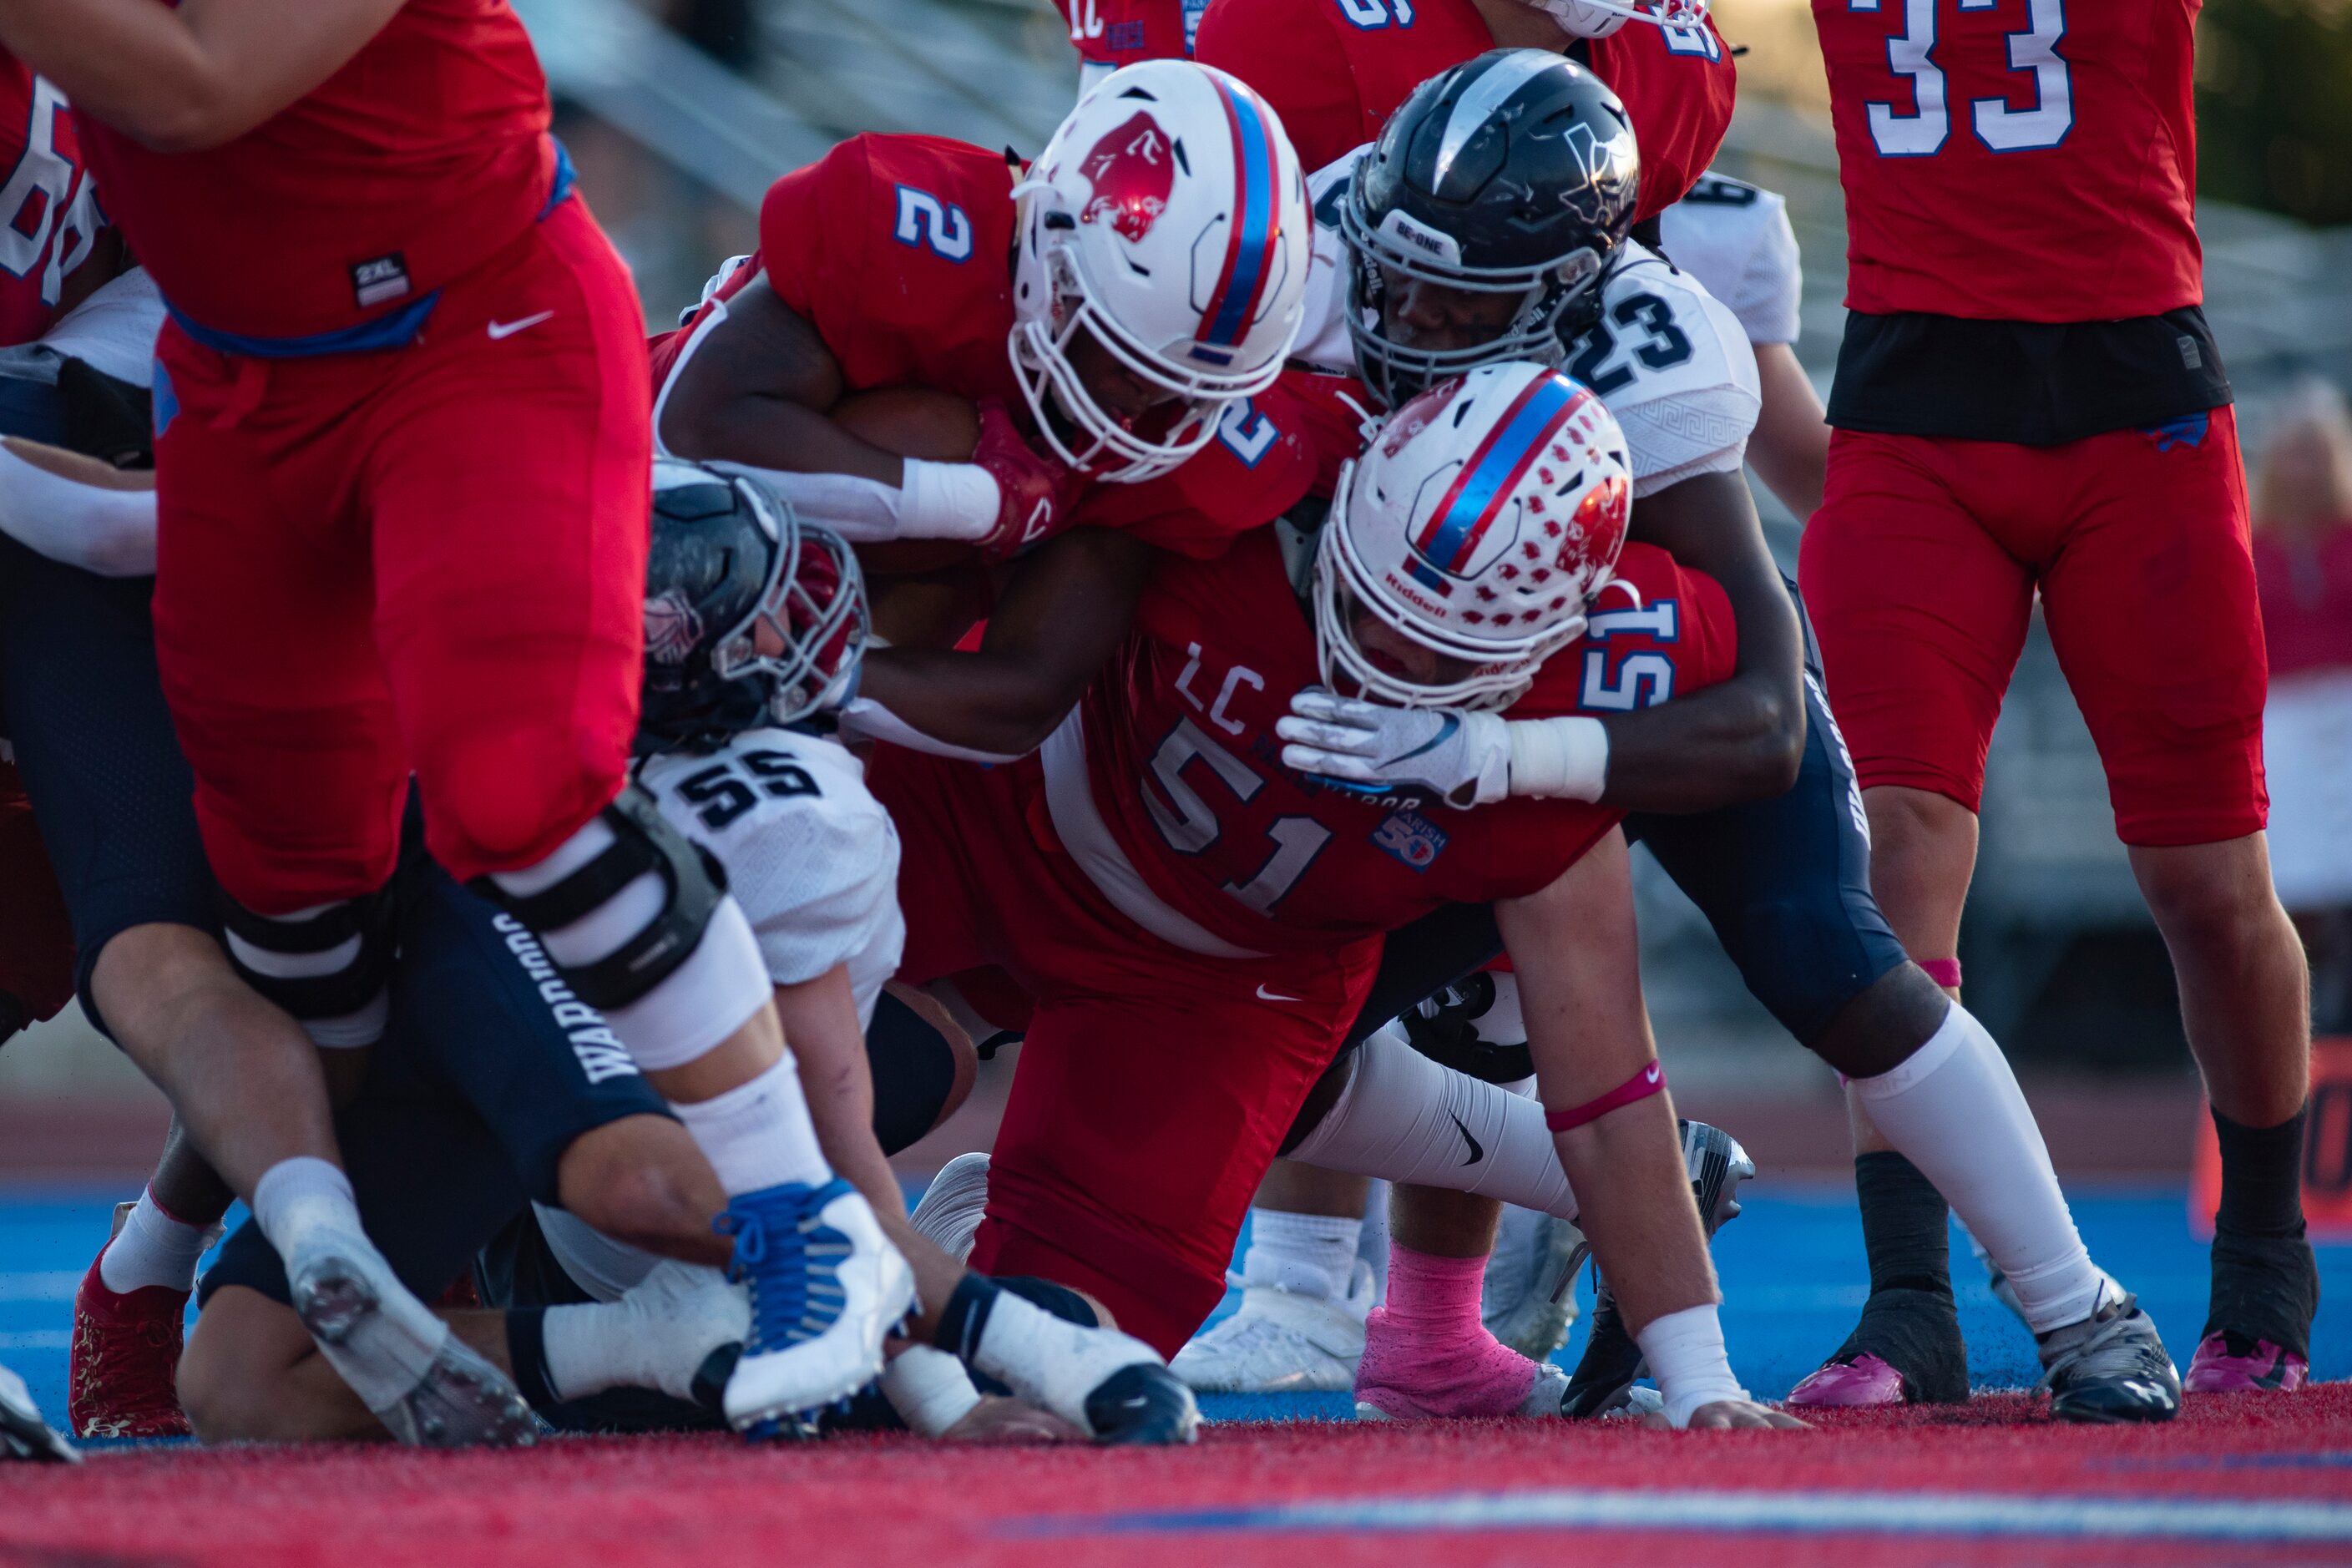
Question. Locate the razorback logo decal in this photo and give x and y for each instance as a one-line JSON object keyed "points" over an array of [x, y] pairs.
{"points": [[1132, 173]]}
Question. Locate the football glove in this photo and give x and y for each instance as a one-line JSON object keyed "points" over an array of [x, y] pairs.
{"points": [[1035, 493], [1450, 754]]}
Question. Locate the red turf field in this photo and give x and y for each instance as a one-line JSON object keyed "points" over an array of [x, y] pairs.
{"points": [[2253, 1480]]}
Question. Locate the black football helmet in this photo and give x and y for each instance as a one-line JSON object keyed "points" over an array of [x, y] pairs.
{"points": [[732, 569], [1514, 173]]}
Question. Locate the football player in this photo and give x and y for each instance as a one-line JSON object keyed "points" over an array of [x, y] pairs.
{"points": [[401, 455], [2030, 406], [1336, 69], [1119, 301], [1784, 880], [1155, 877]]}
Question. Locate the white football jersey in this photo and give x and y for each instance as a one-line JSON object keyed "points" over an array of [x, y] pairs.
{"points": [[810, 854], [1667, 357], [1734, 238]]}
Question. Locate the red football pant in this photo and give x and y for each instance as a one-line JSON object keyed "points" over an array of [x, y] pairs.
{"points": [[428, 559], [1919, 572], [1154, 1085]]}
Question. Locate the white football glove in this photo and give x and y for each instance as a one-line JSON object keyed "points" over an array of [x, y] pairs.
{"points": [[1579, 20], [1450, 754]]}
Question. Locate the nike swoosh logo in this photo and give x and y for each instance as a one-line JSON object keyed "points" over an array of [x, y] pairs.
{"points": [[1477, 1151], [503, 330], [1444, 731], [1650, 1074], [1266, 995]]}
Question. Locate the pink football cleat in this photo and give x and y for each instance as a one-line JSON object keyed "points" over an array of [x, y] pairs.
{"points": [[1863, 1381], [2228, 1363]]}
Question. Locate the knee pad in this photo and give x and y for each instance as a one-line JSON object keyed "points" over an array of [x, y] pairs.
{"points": [[1474, 1027], [620, 906], [331, 967], [914, 1070]]}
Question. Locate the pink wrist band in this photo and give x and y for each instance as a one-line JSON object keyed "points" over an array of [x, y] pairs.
{"points": [[1650, 1080], [1943, 972]]}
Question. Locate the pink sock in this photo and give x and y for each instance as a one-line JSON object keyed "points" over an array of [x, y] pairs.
{"points": [[1427, 1353]]}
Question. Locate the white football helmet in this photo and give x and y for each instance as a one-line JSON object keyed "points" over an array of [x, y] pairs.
{"points": [[1479, 524], [1167, 219], [1598, 19]]}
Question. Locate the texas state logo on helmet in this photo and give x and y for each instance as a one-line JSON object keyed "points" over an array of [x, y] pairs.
{"points": [[1167, 220], [1480, 523]]}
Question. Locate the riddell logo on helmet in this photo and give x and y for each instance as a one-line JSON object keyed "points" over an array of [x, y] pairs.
{"points": [[1405, 590], [1132, 173]]}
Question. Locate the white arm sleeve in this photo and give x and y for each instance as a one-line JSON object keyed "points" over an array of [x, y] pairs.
{"points": [[102, 528], [867, 719], [937, 501]]}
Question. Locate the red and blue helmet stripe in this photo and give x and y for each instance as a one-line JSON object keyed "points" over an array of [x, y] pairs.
{"points": [[1469, 507], [1256, 228]]}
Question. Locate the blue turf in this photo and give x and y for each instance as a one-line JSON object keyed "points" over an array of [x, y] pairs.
{"points": [[1791, 1266]]}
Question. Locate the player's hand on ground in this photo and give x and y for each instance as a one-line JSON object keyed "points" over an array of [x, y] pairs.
{"points": [[1735, 1415], [1035, 491], [1005, 1422], [1449, 755]]}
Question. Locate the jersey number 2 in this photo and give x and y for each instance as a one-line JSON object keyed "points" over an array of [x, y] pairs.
{"points": [[1912, 53], [926, 222]]}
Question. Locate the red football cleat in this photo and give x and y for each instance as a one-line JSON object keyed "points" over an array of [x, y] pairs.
{"points": [[123, 1378]]}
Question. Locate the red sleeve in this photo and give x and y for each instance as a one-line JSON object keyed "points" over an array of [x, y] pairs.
{"points": [[1258, 465], [1679, 93], [1286, 51], [813, 229]]}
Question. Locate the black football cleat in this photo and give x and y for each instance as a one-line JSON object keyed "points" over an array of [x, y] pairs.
{"points": [[2111, 1368], [1143, 1406]]}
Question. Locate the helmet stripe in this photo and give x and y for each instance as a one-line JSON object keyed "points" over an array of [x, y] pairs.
{"points": [[1471, 505], [1256, 229]]}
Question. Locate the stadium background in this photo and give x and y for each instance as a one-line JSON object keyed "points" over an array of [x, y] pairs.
{"points": [[680, 112]]}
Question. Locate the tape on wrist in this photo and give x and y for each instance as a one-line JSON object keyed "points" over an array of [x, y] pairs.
{"points": [[1559, 759], [1650, 1080], [1684, 1351], [929, 1389]]}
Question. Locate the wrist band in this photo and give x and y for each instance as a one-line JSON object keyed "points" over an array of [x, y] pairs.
{"points": [[1684, 1351], [1650, 1080], [1560, 759], [1943, 972]]}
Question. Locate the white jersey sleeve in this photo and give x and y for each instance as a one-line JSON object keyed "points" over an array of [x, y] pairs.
{"points": [[1669, 361], [1734, 238], [1323, 341], [811, 856]]}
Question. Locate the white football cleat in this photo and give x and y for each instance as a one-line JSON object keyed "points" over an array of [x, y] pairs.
{"points": [[427, 1388], [1283, 1341], [826, 1288], [1529, 1300], [687, 1314], [952, 1206], [23, 1433]]}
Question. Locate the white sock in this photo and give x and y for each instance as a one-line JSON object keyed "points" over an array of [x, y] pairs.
{"points": [[657, 1335], [1954, 1110], [759, 1134], [1305, 1253], [1406, 1117], [296, 1197], [153, 1249]]}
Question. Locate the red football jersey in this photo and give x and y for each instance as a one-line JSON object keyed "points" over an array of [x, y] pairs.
{"points": [[1185, 769], [1117, 33], [423, 156], [2004, 164], [898, 250], [50, 222], [1336, 69]]}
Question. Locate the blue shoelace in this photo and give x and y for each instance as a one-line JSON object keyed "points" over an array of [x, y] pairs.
{"points": [[789, 1260]]}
